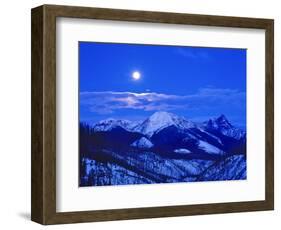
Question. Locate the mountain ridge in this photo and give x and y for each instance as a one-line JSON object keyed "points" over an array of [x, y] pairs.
{"points": [[161, 119], [164, 148], [167, 131]]}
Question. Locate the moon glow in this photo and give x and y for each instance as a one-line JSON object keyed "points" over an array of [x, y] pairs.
{"points": [[136, 75]]}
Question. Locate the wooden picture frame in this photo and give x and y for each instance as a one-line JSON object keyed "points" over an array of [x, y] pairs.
{"points": [[43, 208]]}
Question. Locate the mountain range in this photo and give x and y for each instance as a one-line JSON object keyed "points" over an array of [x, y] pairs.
{"points": [[163, 148]]}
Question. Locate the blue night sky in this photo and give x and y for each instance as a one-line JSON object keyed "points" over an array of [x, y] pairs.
{"points": [[195, 82]]}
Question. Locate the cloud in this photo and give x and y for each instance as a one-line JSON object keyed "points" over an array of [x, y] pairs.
{"points": [[107, 102], [193, 53]]}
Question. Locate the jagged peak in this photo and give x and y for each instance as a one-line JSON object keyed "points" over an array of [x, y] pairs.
{"points": [[110, 123], [222, 117], [219, 121], [222, 124], [222, 120], [109, 120]]}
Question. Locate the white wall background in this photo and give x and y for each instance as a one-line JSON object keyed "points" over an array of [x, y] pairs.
{"points": [[15, 113]]}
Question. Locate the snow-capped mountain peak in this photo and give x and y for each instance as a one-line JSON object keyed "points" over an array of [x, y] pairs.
{"points": [[222, 125], [222, 121], [218, 123], [161, 115], [160, 120], [110, 123]]}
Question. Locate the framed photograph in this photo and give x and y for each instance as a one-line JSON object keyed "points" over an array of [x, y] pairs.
{"points": [[141, 114]]}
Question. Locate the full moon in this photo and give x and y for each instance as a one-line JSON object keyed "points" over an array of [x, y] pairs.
{"points": [[136, 75]]}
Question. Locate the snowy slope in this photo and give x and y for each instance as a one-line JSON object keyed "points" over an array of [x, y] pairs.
{"points": [[182, 151], [209, 148], [147, 167], [142, 143], [232, 168]]}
